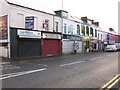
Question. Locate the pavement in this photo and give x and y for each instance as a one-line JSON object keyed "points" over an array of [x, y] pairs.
{"points": [[86, 70]]}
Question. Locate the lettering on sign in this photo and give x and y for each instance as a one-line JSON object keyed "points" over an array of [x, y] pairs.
{"points": [[29, 34], [51, 36]]}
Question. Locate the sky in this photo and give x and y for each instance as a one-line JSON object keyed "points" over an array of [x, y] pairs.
{"points": [[103, 11]]}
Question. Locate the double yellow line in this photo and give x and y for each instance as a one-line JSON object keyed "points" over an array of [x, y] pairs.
{"points": [[111, 83]]}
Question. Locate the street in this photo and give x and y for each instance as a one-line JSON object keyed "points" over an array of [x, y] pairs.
{"points": [[85, 70]]}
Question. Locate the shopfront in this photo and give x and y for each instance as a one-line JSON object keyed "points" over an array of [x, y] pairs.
{"points": [[86, 43], [25, 43], [71, 44], [51, 44], [94, 44]]}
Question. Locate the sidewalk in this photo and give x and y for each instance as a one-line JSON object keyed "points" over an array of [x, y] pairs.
{"points": [[44, 58]]}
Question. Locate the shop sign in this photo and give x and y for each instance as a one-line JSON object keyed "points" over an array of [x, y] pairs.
{"points": [[77, 38], [86, 38], [4, 27], [29, 22], [29, 34], [51, 36]]}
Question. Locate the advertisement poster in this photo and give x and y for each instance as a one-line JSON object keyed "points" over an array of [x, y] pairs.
{"points": [[4, 27], [29, 22]]}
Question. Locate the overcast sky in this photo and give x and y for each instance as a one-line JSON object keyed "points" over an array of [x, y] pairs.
{"points": [[103, 11]]}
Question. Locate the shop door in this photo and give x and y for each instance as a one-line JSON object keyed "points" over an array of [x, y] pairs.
{"points": [[28, 48], [51, 47]]}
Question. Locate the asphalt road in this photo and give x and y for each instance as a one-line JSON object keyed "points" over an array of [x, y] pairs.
{"points": [[88, 70]]}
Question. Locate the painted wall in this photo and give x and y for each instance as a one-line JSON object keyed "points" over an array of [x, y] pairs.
{"points": [[4, 8], [59, 20], [70, 26], [18, 14]]}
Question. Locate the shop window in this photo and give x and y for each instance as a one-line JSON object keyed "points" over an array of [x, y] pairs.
{"points": [[83, 29], [91, 31], [87, 30], [78, 29]]}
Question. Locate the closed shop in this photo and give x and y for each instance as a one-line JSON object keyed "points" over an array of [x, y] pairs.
{"points": [[29, 43], [51, 44], [67, 46], [25, 43], [71, 43], [29, 47]]}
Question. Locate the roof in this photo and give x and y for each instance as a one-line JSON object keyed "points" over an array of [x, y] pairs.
{"points": [[77, 19], [27, 4]]}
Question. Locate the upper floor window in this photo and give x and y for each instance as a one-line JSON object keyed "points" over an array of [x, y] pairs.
{"points": [[56, 26], [98, 35], [87, 30], [95, 33], [64, 14], [46, 25], [65, 28], [83, 29], [78, 29], [91, 31]]}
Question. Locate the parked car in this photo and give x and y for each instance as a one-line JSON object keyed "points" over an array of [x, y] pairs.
{"points": [[117, 45], [111, 48]]}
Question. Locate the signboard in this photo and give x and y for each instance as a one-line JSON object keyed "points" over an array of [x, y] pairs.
{"points": [[51, 36], [4, 28], [29, 34], [77, 38], [86, 38], [72, 37], [29, 22]]}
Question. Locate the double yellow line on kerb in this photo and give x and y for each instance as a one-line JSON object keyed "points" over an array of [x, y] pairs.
{"points": [[111, 83]]}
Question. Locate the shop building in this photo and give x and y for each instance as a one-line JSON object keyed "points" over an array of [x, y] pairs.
{"points": [[23, 36], [71, 44], [51, 44], [25, 43]]}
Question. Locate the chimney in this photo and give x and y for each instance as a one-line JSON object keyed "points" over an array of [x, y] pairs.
{"points": [[84, 19], [96, 23], [111, 29], [92, 21]]}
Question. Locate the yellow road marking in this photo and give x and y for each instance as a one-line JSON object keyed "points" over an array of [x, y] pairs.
{"points": [[116, 81], [110, 81]]}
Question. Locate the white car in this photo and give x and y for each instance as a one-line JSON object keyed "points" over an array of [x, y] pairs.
{"points": [[111, 48]]}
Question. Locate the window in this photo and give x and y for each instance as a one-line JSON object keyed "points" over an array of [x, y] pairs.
{"points": [[65, 28], [98, 35], [83, 29], [95, 33], [87, 30], [56, 26], [46, 25], [78, 29], [91, 31], [70, 29], [64, 14]]}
